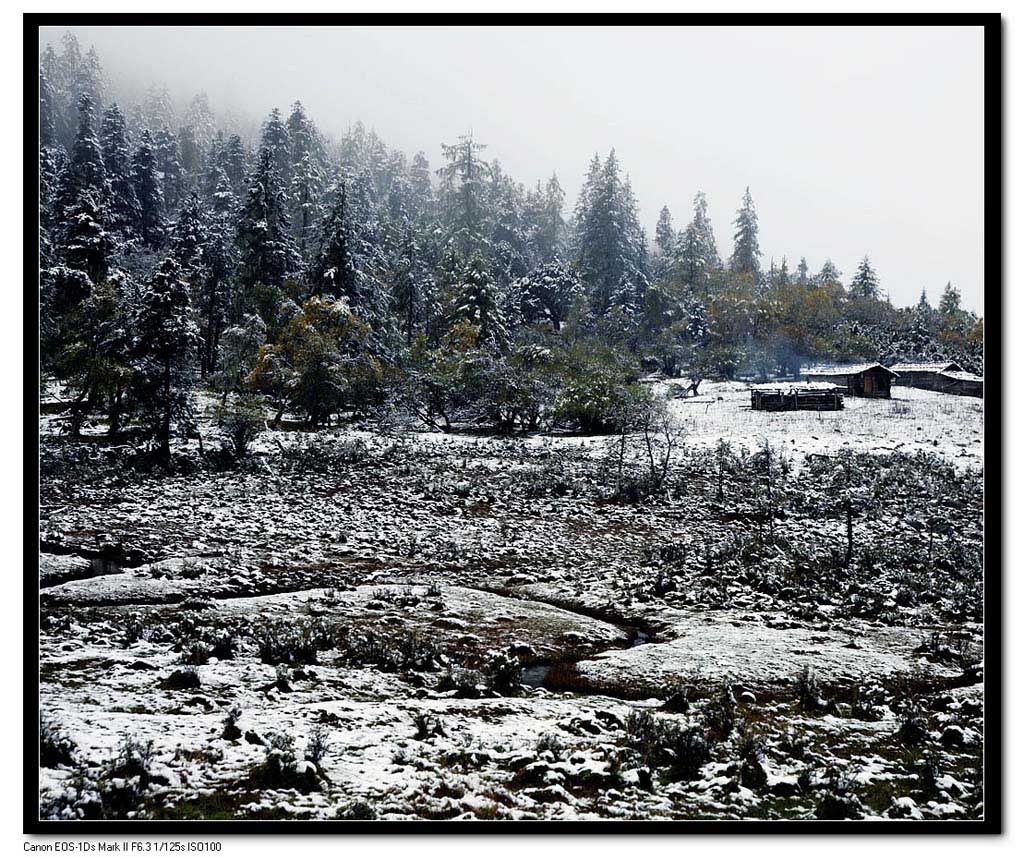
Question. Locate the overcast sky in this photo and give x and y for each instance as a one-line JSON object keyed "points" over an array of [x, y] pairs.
{"points": [[853, 141]]}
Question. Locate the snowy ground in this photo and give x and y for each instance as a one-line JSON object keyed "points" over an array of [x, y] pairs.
{"points": [[913, 420], [378, 605]]}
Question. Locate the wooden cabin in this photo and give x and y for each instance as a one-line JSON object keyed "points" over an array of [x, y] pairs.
{"points": [[792, 396], [856, 380], [925, 374], [962, 383]]}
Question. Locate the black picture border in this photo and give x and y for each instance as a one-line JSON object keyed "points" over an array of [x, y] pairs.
{"points": [[993, 436]]}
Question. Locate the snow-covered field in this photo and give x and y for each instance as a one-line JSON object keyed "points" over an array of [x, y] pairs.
{"points": [[450, 627], [913, 420]]}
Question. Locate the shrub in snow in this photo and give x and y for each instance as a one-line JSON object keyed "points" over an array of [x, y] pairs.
{"points": [[282, 769], [465, 683], [913, 728], [550, 743], [838, 800], [720, 713], [656, 743], [134, 629], [241, 422], [317, 746], [428, 726], [195, 652], [231, 731], [505, 672], [394, 653], [358, 811], [808, 692], [290, 643], [182, 679], [322, 453], [55, 748]]}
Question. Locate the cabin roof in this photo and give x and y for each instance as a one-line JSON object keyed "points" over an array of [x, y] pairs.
{"points": [[925, 367], [790, 387], [844, 369], [962, 376]]}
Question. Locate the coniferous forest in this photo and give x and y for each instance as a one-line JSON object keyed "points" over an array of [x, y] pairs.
{"points": [[377, 487], [340, 277]]}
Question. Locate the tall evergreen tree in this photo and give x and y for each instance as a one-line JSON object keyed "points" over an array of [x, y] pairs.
{"points": [[664, 233], [865, 282], [148, 191], [166, 339], [803, 276], [173, 181], [85, 174], [333, 270], [477, 302], [125, 211], [949, 302], [234, 161], [609, 242], [463, 193], [266, 252], [829, 274], [746, 254], [277, 143]]}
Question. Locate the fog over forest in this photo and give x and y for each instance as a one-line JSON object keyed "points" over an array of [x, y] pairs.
{"points": [[853, 141]]}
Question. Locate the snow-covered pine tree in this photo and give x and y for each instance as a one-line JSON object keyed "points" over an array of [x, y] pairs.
{"points": [[148, 191], [275, 140], [803, 276], [333, 268], [463, 193], [84, 174], [165, 344], [610, 246], [477, 302], [829, 274], [664, 234], [125, 211], [949, 301], [173, 181], [865, 281], [746, 254], [267, 254], [234, 161]]}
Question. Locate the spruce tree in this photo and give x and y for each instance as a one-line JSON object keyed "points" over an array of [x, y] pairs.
{"points": [[165, 345], [463, 193], [829, 274], [746, 254], [664, 233], [173, 182], [125, 211], [266, 252], [333, 270], [234, 161], [477, 303], [85, 174], [148, 191], [949, 302], [275, 141], [865, 282], [803, 276], [610, 246]]}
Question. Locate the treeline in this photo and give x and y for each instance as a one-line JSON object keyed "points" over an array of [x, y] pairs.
{"points": [[339, 276]]}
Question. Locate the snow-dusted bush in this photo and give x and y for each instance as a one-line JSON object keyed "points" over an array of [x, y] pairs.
{"points": [[56, 749], [656, 743], [282, 769], [289, 643], [317, 746], [505, 672], [358, 811]]}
